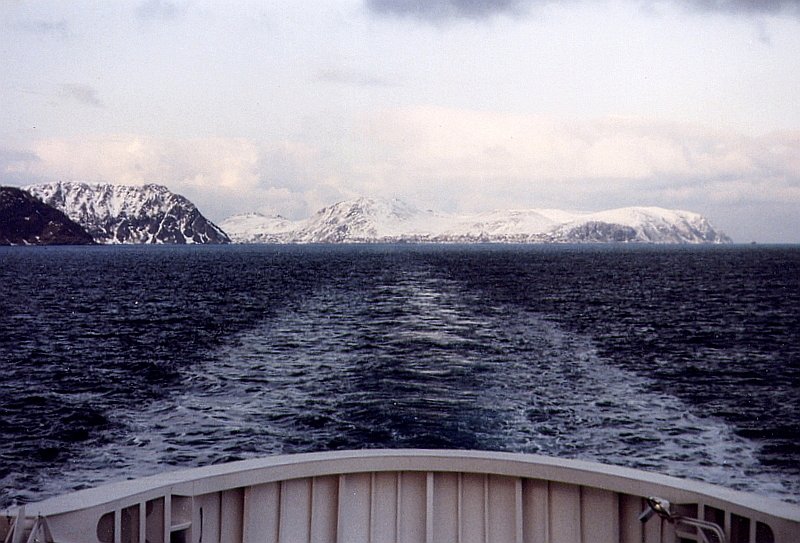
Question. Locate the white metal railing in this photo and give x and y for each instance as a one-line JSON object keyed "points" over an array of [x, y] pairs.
{"points": [[412, 495]]}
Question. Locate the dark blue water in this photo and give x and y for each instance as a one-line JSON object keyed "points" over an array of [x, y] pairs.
{"points": [[124, 361]]}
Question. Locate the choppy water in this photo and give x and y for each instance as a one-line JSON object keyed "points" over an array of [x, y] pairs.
{"points": [[125, 361]]}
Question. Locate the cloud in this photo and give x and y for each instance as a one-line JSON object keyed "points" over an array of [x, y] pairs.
{"points": [[355, 78], [164, 10], [452, 160], [83, 94], [221, 175], [11, 157], [439, 10], [746, 6], [501, 160], [58, 29], [443, 10], [16, 166]]}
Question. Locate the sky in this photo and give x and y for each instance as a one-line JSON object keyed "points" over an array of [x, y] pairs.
{"points": [[454, 105]]}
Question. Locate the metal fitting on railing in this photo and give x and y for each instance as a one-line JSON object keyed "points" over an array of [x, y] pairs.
{"points": [[662, 508]]}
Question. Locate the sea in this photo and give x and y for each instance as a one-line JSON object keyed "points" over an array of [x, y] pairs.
{"points": [[124, 361]]}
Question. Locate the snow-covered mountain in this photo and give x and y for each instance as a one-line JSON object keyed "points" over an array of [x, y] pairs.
{"points": [[130, 214], [367, 220], [257, 228], [639, 224]]}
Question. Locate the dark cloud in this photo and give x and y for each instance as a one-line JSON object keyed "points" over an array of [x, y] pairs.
{"points": [[439, 10], [82, 93], [160, 10], [13, 156], [355, 78], [746, 6], [15, 166], [58, 29]]}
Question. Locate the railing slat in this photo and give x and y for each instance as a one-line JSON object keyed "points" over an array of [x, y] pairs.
{"points": [[231, 516], [630, 507], [501, 506], [261, 513], [384, 519], [412, 507], [599, 516], [445, 507], [295, 517], [536, 516], [473, 508], [325, 498], [354, 508], [565, 510]]}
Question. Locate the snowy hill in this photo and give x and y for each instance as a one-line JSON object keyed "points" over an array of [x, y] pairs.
{"points": [[365, 219], [360, 220], [257, 228], [370, 220], [639, 224], [130, 214]]}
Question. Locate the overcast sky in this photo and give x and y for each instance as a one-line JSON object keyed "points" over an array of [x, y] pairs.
{"points": [[455, 105]]}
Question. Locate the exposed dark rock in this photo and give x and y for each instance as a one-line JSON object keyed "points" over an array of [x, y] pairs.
{"points": [[598, 232], [26, 220]]}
